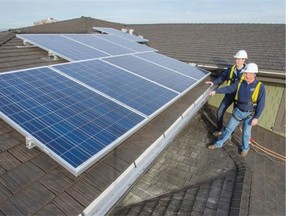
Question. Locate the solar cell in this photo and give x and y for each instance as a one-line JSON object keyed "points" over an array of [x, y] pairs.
{"points": [[166, 77], [121, 34], [138, 93], [71, 123], [62, 46]]}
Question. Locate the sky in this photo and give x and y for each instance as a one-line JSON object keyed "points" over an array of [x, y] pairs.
{"points": [[23, 13]]}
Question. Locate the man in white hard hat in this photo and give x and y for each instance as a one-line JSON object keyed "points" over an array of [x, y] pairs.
{"points": [[249, 104], [231, 75]]}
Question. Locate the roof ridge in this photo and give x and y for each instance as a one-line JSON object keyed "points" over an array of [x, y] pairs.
{"points": [[7, 36]]}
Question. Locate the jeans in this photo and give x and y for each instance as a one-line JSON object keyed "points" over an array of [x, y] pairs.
{"points": [[226, 102], [232, 124]]}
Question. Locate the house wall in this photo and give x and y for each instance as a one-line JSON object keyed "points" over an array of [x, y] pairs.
{"points": [[274, 103]]}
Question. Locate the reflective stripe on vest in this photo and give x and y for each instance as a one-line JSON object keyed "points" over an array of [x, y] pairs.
{"points": [[254, 95], [229, 80]]}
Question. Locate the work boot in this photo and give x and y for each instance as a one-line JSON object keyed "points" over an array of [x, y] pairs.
{"points": [[217, 133], [244, 153], [211, 147]]}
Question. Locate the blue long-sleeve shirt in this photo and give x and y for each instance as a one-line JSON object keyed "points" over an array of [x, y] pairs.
{"points": [[245, 95], [225, 75]]}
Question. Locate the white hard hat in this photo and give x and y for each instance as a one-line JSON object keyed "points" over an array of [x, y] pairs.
{"points": [[250, 68], [241, 54]]}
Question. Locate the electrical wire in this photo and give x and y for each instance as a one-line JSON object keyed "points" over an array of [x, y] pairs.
{"points": [[266, 150]]}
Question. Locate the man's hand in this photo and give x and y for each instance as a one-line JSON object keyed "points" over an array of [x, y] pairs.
{"points": [[212, 93], [254, 122], [209, 83]]}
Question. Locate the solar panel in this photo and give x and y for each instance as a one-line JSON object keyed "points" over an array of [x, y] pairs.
{"points": [[140, 94], [128, 44], [173, 64], [102, 45], [62, 46], [121, 34], [71, 123], [161, 75]]}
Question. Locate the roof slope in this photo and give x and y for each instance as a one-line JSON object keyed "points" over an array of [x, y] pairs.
{"points": [[203, 44], [77, 25], [215, 44]]}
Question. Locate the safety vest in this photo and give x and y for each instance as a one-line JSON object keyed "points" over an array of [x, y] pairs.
{"points": [[229, 80], [255, 94]]}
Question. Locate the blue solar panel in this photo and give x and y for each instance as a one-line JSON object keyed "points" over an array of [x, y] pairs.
{"points": [[120, 34], [153, 72], [102, 45], [62, 46], [138, 93], [174, 64], [125, 43], [67, 120]]}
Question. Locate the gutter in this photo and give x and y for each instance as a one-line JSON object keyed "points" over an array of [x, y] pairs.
{"points": [[108, 198], [271, 76]]}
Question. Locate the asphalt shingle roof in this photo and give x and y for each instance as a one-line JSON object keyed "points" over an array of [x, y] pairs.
{"points": [[249, 186], [212, 197], [215, 44]]}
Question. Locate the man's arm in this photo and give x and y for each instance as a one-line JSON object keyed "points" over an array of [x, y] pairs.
{"points": [[225, 90], [223, 76]]}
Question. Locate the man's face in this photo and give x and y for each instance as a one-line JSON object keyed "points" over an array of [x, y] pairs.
{"points": [[240, 62], [249, 77]]}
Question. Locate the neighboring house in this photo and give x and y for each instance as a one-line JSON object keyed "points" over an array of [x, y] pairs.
{"points": [[32, 183]]}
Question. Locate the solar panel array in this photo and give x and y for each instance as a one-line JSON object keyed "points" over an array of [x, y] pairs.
{"points": [[77, 112]]}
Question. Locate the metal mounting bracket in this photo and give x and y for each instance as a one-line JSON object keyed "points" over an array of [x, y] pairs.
{"points": [[29, 143], [51, 54]]}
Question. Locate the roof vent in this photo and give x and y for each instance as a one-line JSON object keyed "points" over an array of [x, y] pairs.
{"points": [[131, 31]]}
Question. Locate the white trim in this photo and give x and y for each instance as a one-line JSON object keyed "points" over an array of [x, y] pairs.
{"points": [[108, 198], [260, 71]]}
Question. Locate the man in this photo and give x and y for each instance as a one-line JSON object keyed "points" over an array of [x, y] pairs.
{"points": [[231, 75], [249, 101]]}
